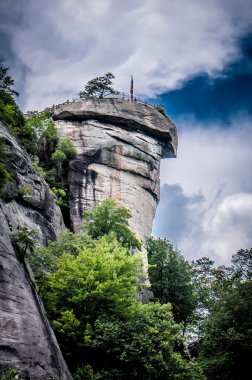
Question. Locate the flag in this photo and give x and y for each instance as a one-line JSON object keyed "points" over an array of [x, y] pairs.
{"points": [[131, 89]]}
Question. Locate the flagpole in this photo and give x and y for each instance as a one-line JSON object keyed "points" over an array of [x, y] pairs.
{"points": [[131, 89]]}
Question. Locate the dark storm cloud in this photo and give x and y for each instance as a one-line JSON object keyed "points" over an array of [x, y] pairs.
{"points": [[12, 18], [177, 213]]}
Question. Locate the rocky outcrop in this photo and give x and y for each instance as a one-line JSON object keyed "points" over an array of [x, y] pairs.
{"points": [[119, 145], [26, 338]]}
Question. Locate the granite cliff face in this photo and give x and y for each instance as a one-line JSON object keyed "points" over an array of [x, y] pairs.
{"points": [[119, 145], [26, 339]]}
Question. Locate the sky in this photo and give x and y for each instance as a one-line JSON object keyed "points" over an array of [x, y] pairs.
{"points": [[192, 56]]}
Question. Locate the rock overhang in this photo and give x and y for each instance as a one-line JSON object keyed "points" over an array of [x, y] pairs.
{"points": [[128, 115]]}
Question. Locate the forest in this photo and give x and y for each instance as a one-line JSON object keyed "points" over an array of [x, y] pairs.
{"points": [[198, 322]]}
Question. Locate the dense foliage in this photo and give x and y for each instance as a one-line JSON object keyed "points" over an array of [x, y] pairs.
{"points": [[5, 168], [111, 218], [144, 346], [99, 87], [89, 284], [226, 343], [52, 154], [170, 277], [10, 115]]}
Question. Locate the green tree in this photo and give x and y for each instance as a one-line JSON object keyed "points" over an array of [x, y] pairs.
{"points": [[25, 241], [65, 150], [225, 296], [225, 350], [6, 82], [103, 277], [10, 114], [47, 139], [170, 277], [89, 283], [99, 87], [241, 267], [144, 346], [59, 158], [107, 217], [204, 277], [99, 278], [43, 260], [38, 121], [5, 168]]}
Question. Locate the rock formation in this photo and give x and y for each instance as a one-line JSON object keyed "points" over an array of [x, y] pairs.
{"points": [[119, 146], [26, 339]]}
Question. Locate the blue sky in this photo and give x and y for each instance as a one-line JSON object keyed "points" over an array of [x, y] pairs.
{"points": [[193, 56], [216, 99]]}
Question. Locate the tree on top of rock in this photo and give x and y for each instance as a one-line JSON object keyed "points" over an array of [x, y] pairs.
{"points": [[6, 81], [99, 87]]}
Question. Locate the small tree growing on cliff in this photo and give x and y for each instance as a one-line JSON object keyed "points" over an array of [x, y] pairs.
{"points": [[99, 87]]}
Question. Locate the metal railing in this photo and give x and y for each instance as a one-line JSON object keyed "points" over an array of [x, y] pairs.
{"points": [[120, 95]]}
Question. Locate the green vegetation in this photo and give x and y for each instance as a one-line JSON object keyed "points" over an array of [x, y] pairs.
{"points": [[25, 240], [107, 218], [99, 87], [24, 190], [225, 349], [89, 284], [64, 151], [143, 346], [10, 115], [38, 136], [160, 108], [213, 303], [171, 279], [12, 374], [53, 154], [5, 169]]}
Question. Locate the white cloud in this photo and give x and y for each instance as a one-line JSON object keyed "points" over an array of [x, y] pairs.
{"points": [[211, 157], [231, 227], [65, 43], [208, 190]]}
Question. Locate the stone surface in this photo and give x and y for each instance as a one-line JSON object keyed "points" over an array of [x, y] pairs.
{"points": [[119, 145], [132, 116], [27, 341]]}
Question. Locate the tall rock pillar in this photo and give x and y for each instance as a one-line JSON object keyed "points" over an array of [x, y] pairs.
{"points": [[119, 147]]}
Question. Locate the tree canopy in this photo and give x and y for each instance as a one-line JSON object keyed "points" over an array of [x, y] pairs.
{"points": [[89, 283], [107, 217], [170, 277], [225, 350], [99, 87], [10, 114], [6, 81]]}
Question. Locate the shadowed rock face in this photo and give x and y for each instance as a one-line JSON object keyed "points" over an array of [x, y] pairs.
{"points": [[119, 145], [26, 339]]}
